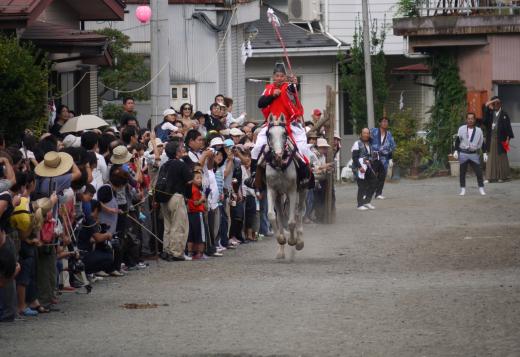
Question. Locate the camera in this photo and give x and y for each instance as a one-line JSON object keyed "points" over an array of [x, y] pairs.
{"points": [[76, 266]]}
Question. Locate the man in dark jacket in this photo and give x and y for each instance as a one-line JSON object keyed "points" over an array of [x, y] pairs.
{"points": [[213, 120], [497, 130]]}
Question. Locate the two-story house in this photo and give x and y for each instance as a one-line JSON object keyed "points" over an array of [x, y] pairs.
{"points": [[57, 27], [486, 42]]}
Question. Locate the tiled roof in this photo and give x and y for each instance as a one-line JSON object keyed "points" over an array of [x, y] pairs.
{"points": [[17, 7], [293, 35], [29, 10], [41, 31], [90, 46]]}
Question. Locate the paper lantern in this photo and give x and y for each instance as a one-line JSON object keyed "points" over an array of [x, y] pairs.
{"points": [[143, 13]]}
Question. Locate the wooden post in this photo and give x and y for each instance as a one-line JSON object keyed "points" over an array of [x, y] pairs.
{"points": [[330, 114]]}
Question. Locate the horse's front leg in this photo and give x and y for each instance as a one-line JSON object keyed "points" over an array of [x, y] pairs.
{"points": [[293, 202], [271, 214]]}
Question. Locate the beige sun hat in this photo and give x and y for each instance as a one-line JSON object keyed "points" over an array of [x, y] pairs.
{"points": [[236, 132], [158, 142], [322, 143], [120, 155], [54, 164]]}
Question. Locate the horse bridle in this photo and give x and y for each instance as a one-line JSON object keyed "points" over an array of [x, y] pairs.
{"points": [[288, 153]]}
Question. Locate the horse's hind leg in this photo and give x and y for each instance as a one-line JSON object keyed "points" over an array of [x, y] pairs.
{"points": [[299, 219]]}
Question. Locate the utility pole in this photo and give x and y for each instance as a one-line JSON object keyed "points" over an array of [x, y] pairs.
{"points": [[368, 65], [160, 57]]}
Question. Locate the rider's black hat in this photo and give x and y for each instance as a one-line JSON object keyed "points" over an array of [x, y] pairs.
{"points": [[279, 67]]}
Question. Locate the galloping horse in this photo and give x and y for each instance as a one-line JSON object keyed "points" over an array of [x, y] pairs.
{"points": [[282, 188]]}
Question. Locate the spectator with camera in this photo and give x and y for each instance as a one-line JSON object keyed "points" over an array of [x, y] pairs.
{"points": [[363, 168], [94, 242]]}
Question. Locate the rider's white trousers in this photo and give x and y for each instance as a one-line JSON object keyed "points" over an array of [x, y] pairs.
{"points": [[299, 135]]}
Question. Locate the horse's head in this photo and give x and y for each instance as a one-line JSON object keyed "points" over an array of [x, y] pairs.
{"points": [[277, 136]]}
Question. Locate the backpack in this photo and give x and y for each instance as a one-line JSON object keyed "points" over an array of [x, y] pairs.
{"points": [[162, 186], [47, 232], [163, 134]]}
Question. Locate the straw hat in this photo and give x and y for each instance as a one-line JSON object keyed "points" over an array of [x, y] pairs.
{"points": [[158, 142], [322, 143], [54, 164], [120, 155], [236, 132]]}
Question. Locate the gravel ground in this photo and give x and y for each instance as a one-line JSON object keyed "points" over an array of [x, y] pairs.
{"points": [[428, 273]]}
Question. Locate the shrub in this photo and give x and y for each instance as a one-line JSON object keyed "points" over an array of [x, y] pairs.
{"points": [[23, 88]]}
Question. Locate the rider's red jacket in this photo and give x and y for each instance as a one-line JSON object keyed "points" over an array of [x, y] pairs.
{"points": [[287, 103]]}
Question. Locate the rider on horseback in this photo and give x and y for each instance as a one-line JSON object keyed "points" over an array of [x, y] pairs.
{"points": [[281, 98]]}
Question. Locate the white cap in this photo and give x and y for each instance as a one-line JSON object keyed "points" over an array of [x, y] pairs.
{"points": [[216, 141], [322, 143], [169, 111], [72, 141], [236, 132]]}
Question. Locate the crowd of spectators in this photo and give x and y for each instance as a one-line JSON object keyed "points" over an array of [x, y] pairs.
{"points": [[76, 208]]}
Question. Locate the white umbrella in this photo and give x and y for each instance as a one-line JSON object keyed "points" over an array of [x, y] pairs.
{"points": [[83, 122]]}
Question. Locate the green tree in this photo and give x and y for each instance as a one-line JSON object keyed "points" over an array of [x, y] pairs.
{"points": [[128, 68], [23, 88], [450, 105], [353, 76]]}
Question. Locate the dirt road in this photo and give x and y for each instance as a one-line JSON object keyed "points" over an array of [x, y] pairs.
{"points": [[428, 273]]}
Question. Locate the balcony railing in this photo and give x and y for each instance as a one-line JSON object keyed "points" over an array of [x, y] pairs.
{"points": [[465, 8]]}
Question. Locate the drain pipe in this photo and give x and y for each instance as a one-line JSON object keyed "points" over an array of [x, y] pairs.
{"points": [[329, 35]]}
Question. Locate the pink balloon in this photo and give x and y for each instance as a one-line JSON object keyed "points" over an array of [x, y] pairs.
{"points": [[143, 13]]}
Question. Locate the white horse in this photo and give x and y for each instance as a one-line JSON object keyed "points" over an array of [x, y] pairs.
{"points": [[282, 191]]}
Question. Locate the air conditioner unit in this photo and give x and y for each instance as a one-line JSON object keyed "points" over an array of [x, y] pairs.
{"points": [[304, 10]]}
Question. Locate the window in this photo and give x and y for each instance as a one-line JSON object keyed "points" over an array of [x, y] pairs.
{"points": [[183, 93]]}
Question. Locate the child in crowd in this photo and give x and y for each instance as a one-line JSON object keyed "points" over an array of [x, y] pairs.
{"points": [[198, 231]]}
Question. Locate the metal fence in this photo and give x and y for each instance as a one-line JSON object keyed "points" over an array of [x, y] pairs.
{"points": [[468, 7]]}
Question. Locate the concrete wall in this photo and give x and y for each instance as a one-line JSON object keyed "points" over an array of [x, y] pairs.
{"points": [[475, 67]]}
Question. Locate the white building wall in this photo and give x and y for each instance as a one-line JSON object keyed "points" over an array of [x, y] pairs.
{"points": [[343, 16], [193, 51]]}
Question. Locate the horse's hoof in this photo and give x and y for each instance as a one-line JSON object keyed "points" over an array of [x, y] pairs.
{"points": [[281, 240], [299, 245], [292, 242], [280, 256]]}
